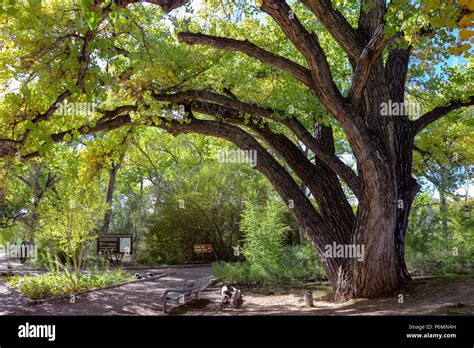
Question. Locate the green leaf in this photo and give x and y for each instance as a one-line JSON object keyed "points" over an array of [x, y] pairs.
{"points": [[11, 11], [35, 3]]}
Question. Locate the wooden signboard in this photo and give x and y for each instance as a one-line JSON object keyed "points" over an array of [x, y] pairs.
{"points": [[202, 248], [114, 244]]}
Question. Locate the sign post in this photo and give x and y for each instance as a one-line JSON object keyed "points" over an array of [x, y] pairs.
{"points": [[115, 246], [202, 248]]}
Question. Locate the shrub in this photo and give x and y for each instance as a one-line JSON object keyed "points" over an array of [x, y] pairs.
{"points": [[297, 264], [55, 284], [68, 221], [429, 250], [268, 261], [263, 232]]}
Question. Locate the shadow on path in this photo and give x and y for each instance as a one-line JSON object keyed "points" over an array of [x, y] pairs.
{"points": [[142, 298]]}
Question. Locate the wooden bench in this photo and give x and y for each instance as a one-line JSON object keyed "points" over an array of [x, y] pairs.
{"points": [[189, 288]]}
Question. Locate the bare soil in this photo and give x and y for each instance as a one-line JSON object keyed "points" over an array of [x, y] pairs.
{"points": [[448, 295], [423, 296]]}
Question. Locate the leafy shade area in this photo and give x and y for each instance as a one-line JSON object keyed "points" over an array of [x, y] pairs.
{"points": [[207, 214], [59, 283]]}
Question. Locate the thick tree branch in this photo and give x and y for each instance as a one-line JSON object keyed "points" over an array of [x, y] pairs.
{"points": [[250, 49], [396, 70], [365, 62], [330, 159], [351, 40], [439, 112], [371, 15], [117, 111], [190, 95], [308, 44]]}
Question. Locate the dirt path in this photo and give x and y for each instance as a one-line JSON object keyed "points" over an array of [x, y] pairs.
{"points": [[429, 296], [141, 298], [11, 301]]}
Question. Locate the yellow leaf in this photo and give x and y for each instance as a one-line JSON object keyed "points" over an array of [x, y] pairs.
{"points": [[465, 22], [464, 48], [467, 3], [465, 34], [454, 50]]}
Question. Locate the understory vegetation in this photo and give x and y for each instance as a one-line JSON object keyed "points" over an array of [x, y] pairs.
{"points": [[53, 284], [438, 242]]}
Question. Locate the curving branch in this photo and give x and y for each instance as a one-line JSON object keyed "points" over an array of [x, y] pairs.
{"points": [[308, 44], [112, 119], [365, 62], [351, 40], [321, 180], [284, 184], [439, 112], [250, 49], [303, 211], [330, 159]]}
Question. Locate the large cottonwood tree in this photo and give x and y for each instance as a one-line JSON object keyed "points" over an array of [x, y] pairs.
{"points": [[377, 48]]}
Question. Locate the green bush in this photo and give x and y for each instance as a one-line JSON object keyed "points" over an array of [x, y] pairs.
{"points": [[56, 284], [430, 250], [297, 264], [193, 211], [264, 233], [268, 261]]}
